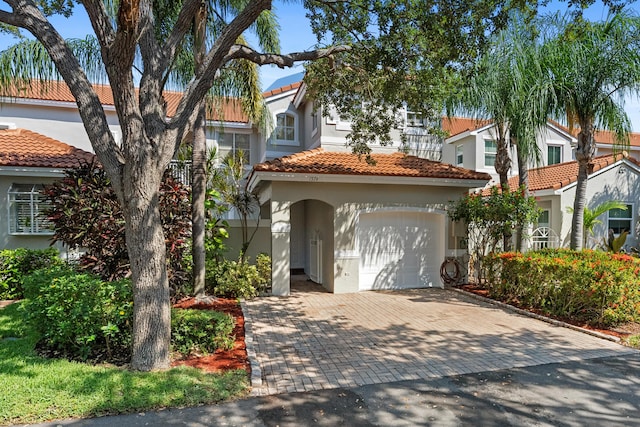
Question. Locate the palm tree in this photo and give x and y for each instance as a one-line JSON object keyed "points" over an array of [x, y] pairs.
{"points": [[239, 80], [593, 66], [507, 89]]}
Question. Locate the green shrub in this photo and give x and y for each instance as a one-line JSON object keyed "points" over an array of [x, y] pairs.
{"points": [[17, 263], [589, 286], [78, 314], [232, 279], [263, 264], [200, 331]]}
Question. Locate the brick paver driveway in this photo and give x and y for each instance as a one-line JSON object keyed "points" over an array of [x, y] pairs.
{"points": [[314, 340]]}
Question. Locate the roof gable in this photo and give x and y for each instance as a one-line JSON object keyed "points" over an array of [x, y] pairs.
{"points": [[24, 148]]}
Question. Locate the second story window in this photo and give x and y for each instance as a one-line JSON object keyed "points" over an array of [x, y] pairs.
{"points": [[285, 127], [554, 154], [490, 150], [231, 143], [459, 155], [415, 119]]}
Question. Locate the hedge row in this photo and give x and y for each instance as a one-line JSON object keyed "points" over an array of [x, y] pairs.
{"points": [[594, 287]]}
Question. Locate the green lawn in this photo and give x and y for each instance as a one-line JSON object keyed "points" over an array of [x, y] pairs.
{"points": [[36, 389]]}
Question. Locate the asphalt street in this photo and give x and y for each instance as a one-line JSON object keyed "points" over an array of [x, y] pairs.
{"points": [[596, 392]]}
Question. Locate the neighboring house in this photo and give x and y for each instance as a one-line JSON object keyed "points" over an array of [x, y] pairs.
{"points": [[613, 177], [50, 109], [472, 144], [29, 160]]}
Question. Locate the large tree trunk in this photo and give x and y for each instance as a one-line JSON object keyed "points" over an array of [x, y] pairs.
{"points": [[147, 253], [584, 155]]}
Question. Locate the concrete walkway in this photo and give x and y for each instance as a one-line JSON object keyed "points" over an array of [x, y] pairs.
{"points": [[315, 340]]}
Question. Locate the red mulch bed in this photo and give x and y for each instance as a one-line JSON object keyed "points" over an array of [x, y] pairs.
{"points": [[221, 360], [622, 331]]}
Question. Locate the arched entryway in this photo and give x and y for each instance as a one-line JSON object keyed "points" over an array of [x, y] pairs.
{"points": [[312, 240]]}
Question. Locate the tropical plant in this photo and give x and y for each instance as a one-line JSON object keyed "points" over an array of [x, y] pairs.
{"points": [[229, 180], [613, 243], [489, 218], [593, 65], [590, 216], [86, 214]]}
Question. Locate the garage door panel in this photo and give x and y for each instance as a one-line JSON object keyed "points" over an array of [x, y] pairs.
{"points": [[400, 249]]}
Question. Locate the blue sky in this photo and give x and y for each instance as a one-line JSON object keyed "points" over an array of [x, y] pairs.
{"points": [[296, 35]]}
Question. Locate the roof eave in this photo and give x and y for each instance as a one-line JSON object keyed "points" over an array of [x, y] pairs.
{"points": [[259, 176]]}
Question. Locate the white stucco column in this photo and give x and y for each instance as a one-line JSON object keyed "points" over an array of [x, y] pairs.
{"points": [[280, 248]]}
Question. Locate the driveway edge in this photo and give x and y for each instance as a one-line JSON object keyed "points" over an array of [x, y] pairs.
{"points": [[538, 316], [256, 372]]}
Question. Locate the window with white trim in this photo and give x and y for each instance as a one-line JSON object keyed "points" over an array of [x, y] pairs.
{"points": [[285, 128], [554, 154], [543, 218], [26, 210], [230, 142], [490, 151], [459, 155], [415, 119], [620, 220]]}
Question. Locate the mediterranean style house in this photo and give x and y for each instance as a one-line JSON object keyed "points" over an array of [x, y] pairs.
{"points": [[324, 211]]}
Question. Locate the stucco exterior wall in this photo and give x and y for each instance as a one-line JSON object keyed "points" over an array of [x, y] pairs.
{"points": [[621, 183], [62, 122], [340, 254]]}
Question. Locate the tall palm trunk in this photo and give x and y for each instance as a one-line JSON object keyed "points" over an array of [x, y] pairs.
{"points": [[502, 166], [584, 155], [523, 182], [198, 164]]}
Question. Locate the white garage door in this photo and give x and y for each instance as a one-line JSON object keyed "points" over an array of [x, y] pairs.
{"points": [[400, 250]]}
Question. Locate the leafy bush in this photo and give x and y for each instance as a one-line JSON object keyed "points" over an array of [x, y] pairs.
{"points": [[78, 314], [200, 331], [590, 286], [15, 264], [86, 214], [492, 219], [232, 279], [263, 265]]}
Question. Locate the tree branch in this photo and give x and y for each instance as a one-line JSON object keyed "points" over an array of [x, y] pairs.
{"points": [[100, 22], [10, 18], [282, 61], [182, 25]]}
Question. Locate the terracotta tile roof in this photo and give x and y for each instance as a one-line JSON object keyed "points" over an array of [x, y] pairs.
{"points": [[558, 176], [457, 125], [21, 147], [319, 161], [59, 91], [282, 89]]}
